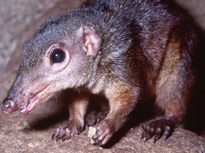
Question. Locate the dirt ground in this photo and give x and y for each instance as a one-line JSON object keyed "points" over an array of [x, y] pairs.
{"points": [[32, 133]]}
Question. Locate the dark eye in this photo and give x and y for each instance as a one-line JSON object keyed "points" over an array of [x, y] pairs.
{"points": [[57, 56]]}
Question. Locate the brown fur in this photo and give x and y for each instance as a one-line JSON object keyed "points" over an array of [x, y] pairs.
{"points": [[126, 50]]}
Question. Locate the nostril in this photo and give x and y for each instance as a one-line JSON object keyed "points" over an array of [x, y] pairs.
{"points": [[12, 104], [9, 105], [6, 103]]}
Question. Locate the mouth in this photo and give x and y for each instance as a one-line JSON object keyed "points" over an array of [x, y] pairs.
{"points": [[33, 101]]}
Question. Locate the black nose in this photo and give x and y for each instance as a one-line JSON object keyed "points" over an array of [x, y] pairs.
{"points": [[9, 105]]}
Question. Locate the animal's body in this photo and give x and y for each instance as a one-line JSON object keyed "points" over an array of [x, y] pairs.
{"points": [[127, 50]]}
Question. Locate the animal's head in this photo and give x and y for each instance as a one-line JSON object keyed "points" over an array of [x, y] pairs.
{"points": [[59, 55]]}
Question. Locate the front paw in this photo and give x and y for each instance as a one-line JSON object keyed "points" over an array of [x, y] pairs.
{"points": [[158, 127], [94, 117], [104, 132], [65, 133]]}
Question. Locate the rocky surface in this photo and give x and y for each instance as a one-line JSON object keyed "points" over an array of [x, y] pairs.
{"points": [[195, 9], [32, 133], [15, 15]]}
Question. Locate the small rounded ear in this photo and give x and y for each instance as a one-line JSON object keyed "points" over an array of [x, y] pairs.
{"points": [[91, 41]]}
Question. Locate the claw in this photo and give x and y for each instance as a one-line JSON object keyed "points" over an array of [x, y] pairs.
{"points": [[168, 132], [103, 133], [148, 133], [157, 128], [61, 134], [158, 134], [145, 139], [157, 137]]}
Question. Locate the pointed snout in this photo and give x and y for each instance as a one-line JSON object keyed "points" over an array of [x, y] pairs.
{"points": [[9, 105]]}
